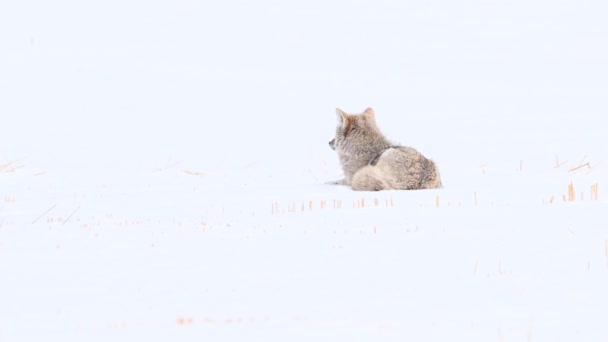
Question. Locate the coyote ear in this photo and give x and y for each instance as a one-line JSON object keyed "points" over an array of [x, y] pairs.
{"points": [[370, 112], [343, 118]]}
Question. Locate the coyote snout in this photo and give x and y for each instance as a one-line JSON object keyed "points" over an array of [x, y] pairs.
{"points": [[371, 162], [332, 144]]}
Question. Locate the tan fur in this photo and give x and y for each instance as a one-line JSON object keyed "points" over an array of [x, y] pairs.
{"points": [[371, 162]]}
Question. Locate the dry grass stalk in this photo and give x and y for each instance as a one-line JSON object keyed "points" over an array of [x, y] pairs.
{"points": [[579, 167], [530, 330], [571, 195], [3, 166], [199, 174], [558, 164], [376, 202], [437, 201], [596, 165], [362, 202], [594, 192], [475, 196], [46, 212], [73, 212], [10, 166], [13, 169]]}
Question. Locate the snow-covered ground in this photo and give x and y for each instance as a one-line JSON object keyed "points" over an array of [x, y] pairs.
{"points": [[162, 171]]}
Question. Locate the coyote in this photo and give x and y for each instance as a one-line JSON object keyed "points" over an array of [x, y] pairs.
{"points": [[371, 162]]}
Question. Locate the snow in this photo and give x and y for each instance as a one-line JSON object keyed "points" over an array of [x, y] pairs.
{"points": [[162, 171]]}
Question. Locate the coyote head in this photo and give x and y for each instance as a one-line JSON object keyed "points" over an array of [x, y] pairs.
{"points": [[355, 132]]}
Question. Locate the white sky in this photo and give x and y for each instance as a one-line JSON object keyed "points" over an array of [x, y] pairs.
{"points": [[139, 82]]}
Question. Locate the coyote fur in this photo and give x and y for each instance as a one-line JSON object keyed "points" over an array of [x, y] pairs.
{"points": [[371, 162]]}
